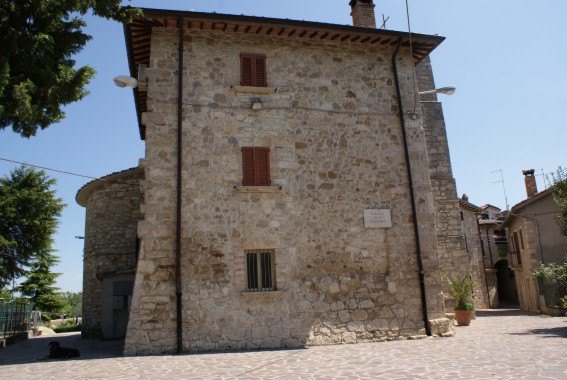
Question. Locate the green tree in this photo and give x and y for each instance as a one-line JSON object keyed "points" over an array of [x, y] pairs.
{"points": [[28, 218], [5, 295], [74, 303], [38, 39], [39, 285], [560, 196]]}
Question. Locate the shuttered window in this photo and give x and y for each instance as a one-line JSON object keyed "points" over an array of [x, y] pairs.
{"points": [[253, 70], [256, 166], [260, 271], [517, 248]]}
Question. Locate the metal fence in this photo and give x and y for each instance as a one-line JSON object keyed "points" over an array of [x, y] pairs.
{"points": [[15, 317]]}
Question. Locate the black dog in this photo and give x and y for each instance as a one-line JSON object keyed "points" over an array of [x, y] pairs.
{"points": [[58, 352]]}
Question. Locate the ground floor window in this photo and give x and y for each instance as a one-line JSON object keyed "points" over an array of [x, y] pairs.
{"points": [[260, 273]]}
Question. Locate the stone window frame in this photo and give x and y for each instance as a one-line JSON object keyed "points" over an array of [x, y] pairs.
{"points": [[260, 270]]}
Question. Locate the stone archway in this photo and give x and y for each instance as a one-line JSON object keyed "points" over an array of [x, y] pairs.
{"points": [[506, 284]]}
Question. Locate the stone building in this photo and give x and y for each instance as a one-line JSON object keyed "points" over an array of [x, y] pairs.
{"points": [[495, 254], [295, 192], [110, 253], [470, 215], [533, 238]]}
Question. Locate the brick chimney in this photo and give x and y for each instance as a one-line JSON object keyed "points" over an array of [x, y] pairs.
{"points": [[529, 179], [362, 12]]}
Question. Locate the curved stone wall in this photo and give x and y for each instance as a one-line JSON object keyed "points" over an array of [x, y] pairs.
{"points": [[113, 211]]}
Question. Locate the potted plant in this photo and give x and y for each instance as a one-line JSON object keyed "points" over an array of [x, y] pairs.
{"points": [[461, 290]]}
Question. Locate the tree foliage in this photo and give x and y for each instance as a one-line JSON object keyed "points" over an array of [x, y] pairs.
{"points": [[39, 286], [554, 273], [73, 303], [560, 196], [28, 218], [38, 39]]}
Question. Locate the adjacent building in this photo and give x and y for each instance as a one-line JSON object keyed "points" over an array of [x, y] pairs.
{"points": [[474, 245], [533, 238]]}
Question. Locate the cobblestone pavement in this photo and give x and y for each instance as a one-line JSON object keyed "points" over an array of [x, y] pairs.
{"points": [[499, 344]]}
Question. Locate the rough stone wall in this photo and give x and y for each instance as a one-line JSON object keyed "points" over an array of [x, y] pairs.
{"points": [[112, 215], [330, 119], [453, 257], [476, 259], [491, 258], [525, 282]]}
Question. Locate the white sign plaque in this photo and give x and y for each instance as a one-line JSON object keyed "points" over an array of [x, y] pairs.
{"points": [[377, 218]]}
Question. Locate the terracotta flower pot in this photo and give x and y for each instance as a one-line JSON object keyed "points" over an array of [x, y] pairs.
{"points": [[463, 317]]}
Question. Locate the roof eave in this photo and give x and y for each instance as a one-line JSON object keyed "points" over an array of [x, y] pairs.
{"points": [[422, 44]]}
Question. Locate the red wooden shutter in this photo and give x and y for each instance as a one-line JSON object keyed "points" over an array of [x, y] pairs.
{"points": [[256, 166], [262, 158], [253, 70], [246, 62], [260, 71], [248, 166]]}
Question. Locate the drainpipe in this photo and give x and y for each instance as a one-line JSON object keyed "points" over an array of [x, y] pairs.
{"points": [[412, 196], [178, 287]]}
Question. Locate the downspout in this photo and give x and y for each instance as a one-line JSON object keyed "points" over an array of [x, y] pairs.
{"points": [[412, 196], [178, 287]]}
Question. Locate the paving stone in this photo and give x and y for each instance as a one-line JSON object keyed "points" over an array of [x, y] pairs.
{"points": [[499, 344]]}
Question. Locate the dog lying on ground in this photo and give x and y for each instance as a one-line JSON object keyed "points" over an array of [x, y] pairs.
{"points": [[58, 352]]}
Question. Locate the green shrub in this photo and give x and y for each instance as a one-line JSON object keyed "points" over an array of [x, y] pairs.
{"points": [[502, 250], [557, 274], [68, 328]]}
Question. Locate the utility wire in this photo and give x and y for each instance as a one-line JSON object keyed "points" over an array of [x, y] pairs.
{"points": [[65, 172]]}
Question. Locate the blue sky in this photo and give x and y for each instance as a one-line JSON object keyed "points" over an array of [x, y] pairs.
{"points": [[506, 58]]}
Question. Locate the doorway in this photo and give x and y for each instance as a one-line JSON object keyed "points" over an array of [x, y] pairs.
{"points": [[117, 297], [506, 285]]}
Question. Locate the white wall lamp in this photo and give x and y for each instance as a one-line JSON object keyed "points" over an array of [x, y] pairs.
{"points": [[449, 90], [125, 81]]}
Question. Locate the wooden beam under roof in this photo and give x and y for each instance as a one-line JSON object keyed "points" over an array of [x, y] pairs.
{"points": [[138, 36]]}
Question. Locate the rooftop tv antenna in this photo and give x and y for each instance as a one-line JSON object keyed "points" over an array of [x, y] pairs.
{"points": [[544, 178], [503, 186], [384, 21]]}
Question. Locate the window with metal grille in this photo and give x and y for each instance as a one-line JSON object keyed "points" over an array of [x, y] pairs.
{"points": [[256, 166], [260, 267], [253, 70]]}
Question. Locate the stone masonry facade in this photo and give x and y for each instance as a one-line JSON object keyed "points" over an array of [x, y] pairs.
{"points": [[330, 119], [453, 256], [469, 221], [112, 214]]}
